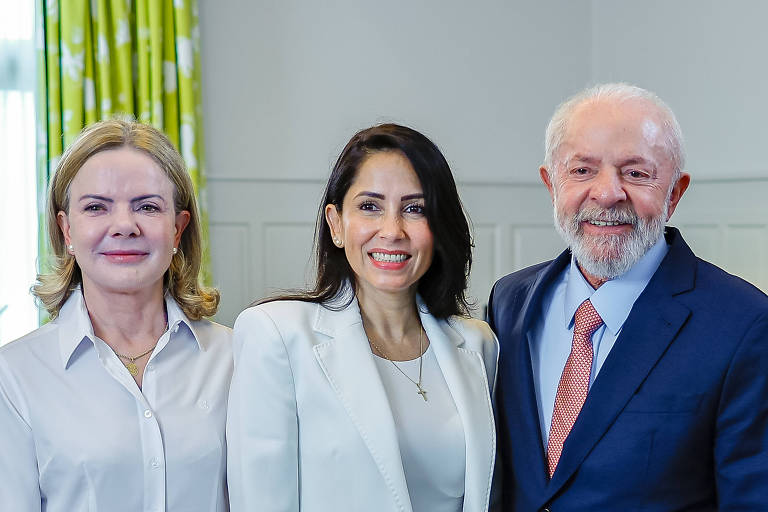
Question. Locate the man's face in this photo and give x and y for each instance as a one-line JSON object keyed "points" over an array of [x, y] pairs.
{"points": [[612, 185]]}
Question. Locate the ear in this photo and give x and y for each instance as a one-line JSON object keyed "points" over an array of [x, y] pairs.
{"points": [[678, 189], [181, 222], [333, 218], [63, 221], [547, 179]]}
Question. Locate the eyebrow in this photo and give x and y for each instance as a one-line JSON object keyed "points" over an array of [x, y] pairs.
{"points": [[376, 195], [109, 200], [584, 158], [633, 160]]}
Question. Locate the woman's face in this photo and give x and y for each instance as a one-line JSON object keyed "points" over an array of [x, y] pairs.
{"points": [[121, 221], [382, 225]]}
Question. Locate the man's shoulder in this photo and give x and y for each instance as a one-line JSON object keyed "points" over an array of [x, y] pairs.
{"points": [[731, 291], [521, 279]]}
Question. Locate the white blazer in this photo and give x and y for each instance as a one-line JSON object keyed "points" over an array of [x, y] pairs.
{"points": [[309, 424]]}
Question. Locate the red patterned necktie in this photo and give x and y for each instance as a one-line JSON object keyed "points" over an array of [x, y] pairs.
{"points": [[574, 382]]}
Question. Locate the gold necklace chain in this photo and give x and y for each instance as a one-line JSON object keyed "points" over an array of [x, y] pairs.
{"points": [[421, 391], [131, 364]]}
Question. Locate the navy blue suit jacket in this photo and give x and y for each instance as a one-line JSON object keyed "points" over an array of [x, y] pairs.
{"points": [[677, 418]]}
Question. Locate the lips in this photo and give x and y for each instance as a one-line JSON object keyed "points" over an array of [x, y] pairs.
{"points": [[123, 256], [389, 260]]}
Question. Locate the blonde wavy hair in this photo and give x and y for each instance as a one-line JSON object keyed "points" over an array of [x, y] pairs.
{"points": [[182, 277]]}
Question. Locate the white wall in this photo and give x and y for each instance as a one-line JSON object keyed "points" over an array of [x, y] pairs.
{"points": [[707, 60], [286, 83]]}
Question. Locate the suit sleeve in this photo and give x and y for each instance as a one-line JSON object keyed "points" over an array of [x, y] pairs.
{"points": [[20, 488], [741, 442], [262, 427]]}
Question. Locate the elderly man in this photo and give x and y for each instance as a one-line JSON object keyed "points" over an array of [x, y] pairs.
{"points": [[632, 375]]}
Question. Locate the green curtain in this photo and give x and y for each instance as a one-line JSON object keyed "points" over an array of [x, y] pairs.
{"points": [[99, 58]]}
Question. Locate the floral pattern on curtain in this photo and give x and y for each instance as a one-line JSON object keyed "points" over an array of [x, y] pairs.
{"points": [[101, 58]]}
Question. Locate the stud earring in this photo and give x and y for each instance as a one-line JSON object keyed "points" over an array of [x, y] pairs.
{"points": [[338, 242], [71, 248], [175, 250]]}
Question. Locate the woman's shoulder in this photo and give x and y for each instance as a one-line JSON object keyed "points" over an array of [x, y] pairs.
{"points": [[43, 340], [280, 313], [473, 327], [215, 333]]}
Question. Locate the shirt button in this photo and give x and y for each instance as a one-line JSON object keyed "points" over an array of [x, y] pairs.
{"points": [[150, 367], [154, 463], [147, 413], [203, 404]]}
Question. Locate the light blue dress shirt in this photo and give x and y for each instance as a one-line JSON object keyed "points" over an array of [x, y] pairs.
{"points": [[550, 338], [77, 433]]}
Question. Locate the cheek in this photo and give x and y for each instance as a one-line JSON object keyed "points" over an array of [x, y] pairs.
{"points": [[425, 239], [650, 203]]}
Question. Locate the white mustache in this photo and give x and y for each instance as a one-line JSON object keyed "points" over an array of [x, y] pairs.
{"points": [[623, 215]]}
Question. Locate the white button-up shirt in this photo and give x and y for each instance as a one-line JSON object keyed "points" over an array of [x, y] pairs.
{"points": [[77, 433]]}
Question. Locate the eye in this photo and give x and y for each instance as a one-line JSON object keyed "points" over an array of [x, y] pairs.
{"points": [[580, 171], [94, 207], [637, 174], [414, 208], [149, 207], [368, 206]]}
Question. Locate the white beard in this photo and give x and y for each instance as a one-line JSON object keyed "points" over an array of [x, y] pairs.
{"points": [[609, 256]]}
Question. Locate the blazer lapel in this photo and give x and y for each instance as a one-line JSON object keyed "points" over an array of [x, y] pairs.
{"points": [[348, 365], [464, 373], [652, 325]]}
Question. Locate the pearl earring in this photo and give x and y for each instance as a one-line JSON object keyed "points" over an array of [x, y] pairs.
{"points": [[71, 248], [338, 242], [175, 250]]}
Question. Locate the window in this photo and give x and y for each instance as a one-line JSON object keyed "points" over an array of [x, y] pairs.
{"points": [[18, 199]]}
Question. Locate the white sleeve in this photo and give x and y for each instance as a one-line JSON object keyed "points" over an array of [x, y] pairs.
{"points": [[20, 488], [262, 425]]}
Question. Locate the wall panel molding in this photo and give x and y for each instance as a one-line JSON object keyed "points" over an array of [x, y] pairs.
{"points": [[262, 232]]}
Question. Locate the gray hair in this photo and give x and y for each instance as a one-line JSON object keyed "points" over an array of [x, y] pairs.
{"points": [[622, 92]]}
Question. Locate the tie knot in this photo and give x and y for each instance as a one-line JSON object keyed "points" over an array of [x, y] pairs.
{"points": [[586, 320]]}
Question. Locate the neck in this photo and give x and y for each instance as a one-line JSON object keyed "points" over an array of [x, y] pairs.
{"points": [[126, 320], [594, 281], [390, 317]]}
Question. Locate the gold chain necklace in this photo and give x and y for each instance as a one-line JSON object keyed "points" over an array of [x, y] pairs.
{"points": [[131, 361], [421, 391]]}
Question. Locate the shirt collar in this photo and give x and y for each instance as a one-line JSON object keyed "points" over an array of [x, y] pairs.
{"points": [[75, 326], [614, 299], [177, 320]]}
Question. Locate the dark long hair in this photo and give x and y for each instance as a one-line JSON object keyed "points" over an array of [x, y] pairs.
{"points": [[443, 286]]}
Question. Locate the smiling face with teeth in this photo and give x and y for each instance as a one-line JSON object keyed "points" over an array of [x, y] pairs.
{"points": [[613, 185], [383, 227]]}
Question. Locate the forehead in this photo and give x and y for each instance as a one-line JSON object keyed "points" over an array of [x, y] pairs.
{"points": [[386, 170], [121, 170], [609, 130]]}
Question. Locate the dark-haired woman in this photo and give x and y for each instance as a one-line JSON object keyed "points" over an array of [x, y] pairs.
{"points": [[371, 391]]}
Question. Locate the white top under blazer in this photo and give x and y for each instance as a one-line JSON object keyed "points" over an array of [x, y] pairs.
{"points": [[78, 435], [309, 424]]}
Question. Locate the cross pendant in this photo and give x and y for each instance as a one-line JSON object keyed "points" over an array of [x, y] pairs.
{"points": [[422, 392]]}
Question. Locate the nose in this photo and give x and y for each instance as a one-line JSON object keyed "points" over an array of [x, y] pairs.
{"points": [[124, 223], [391, 226], [607, 188]]}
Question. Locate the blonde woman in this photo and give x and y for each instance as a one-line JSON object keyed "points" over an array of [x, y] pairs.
{"points": [[119, 402]]}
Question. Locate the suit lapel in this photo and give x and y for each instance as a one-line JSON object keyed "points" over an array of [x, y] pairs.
{"points": [[464, 373], [652, 325], [348, 365], [525, 431]]}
